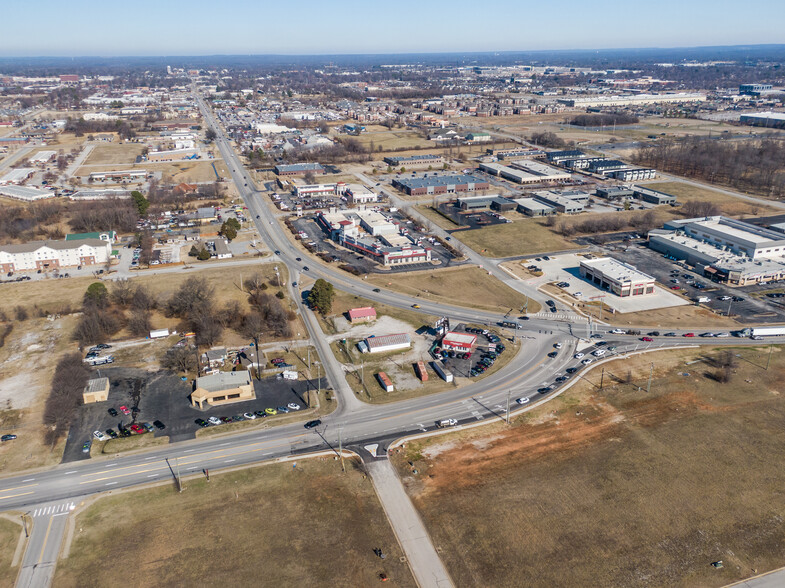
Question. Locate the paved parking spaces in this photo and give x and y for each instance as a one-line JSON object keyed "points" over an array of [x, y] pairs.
{"points": [[565, 268]]}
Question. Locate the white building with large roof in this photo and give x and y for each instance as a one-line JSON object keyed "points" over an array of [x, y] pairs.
{"points": [[616, 276]]}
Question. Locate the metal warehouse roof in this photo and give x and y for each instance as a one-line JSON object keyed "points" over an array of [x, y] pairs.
{"points": [[462, 339], [413, 183], [384, 340]]}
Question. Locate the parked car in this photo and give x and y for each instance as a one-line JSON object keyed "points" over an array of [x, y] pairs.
{"points": [[86, 446], [271, 411], [148, 427], [214, 420], [8, 437], [100, 435], [159, 425], [112, 433], [112, 412], [138, 429], [293, 406], [202, 423], [249, 415], [124, 410]]}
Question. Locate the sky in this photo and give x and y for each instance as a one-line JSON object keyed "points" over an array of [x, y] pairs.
{"points": [[307, 27]]}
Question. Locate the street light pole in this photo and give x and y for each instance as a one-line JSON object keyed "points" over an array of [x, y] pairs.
{"points": [[340, 447], [508, 406]]}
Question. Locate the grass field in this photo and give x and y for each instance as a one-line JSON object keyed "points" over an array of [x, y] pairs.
{"points": [[393, 140], [9, 536], [122, 154], [727, 203], [617, 487], [463, 286], [275, 525], [523, 237]]}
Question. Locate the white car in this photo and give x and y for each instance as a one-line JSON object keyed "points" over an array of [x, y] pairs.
{"points": [[598, 353], [523, 400], [100, 436], [214, 420], [587, 361], [249, 415], [722, 335], [618, 331], [293, 406], [578, 355]]}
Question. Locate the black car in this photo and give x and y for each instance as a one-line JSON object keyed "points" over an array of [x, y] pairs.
{"points": [[8, 437], [202, 423], [306, 268], [312, 424], [277, 252], [544, 390], [159, 425], [571, 370], [654, 334], [103, 346], [298, 258], [553, 354], [257, 216], [112, 412], [376, 290], [112, 433]]}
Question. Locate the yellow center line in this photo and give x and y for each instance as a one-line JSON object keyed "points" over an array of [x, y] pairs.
{"points": [[18, 487], [15, 495], [46, 538]]}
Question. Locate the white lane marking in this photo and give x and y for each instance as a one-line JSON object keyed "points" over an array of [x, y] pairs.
{"points": [[110, 483], [187, 450], [225, 444], [110, 465], [71, 472], [37, 510], [229, 460], [28, 480], [152, 475]]}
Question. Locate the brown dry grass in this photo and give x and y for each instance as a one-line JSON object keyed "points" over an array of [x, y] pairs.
{"points": [[616, 487], [271, 526], [728, 204], [524, 237], [9, 536], [468, 286], [122, 154]]}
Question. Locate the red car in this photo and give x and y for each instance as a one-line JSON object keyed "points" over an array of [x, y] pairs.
{"points": [[124, 410], [138, 429], [688, 335], [675, 287], [646, 339]]}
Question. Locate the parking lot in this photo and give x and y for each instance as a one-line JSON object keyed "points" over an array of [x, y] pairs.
{"points": [[751, 308], [165, 397], [481, 358]]}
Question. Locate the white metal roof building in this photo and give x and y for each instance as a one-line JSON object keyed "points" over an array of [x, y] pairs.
{"points": [[17, 175], [733, 235], [639, 99], [25, 193], [43, 156], [616, 276], [384, 343], [459, 341]]}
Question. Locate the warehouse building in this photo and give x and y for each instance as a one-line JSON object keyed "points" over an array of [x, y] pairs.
{"points": [[101, 194], [299, 169], [732, 235], [616, 276], [357, 194], [633, 174], [633, 100], [311, 190], [18, 175], [613, 193], [755, 89], [50, 255], [25, 193], [652, 196], [223, 388], [533, 207], [498, 203], [43, 157], [562, 202], [558, 157], [385, 343], [172, 155], [770, 120], [414, 160], [131, 175], [447, 184], [547, 173], [515, 153]]}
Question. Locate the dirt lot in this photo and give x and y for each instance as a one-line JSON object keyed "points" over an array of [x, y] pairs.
{"points": [[617, 487], [728, 204], [465, 286], [122, 154], [9, 536], [307, 525], [392, 140], [525, 237]]}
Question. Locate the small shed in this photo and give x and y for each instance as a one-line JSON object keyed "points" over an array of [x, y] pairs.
{"points": [[96, 390]]}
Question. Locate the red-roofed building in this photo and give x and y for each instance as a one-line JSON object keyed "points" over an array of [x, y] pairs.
{"points": [[362, 315], [462, 342]]}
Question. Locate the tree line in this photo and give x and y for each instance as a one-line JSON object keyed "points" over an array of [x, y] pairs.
{"points": [[752, 165]]}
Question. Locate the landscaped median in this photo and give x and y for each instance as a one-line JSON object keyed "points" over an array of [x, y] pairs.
{"points": [[297, 523]]}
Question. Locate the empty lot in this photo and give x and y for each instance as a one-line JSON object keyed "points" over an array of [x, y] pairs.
{"points": [[274, 525], [615, 487]]}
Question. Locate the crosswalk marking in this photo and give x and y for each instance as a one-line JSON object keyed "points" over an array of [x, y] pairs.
{"points": [[54, 509]]}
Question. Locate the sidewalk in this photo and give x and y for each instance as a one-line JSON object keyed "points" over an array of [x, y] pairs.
{"points": [[425, 563]]}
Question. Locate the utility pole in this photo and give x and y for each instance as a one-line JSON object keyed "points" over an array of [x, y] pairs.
{"points": [[729, 303], [319, 376], [24, 523], [651, 373], [309, 358], [508, 406], [340, 447], [179, 480], [602, 378], [768, 362]]}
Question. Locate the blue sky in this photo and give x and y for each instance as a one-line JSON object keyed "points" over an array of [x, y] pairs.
{"points": [[201, 27]]}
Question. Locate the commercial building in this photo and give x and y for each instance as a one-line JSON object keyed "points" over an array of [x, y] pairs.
{"points": [[558, 156], [102, 194], [633, 174], [50, 255], [456, 341], [477, 137], [498, 203], [652, 196], [633, 100], [357, 194], [172, 155], [604, 165], [755, 89], [614, 193], [533, 207], [25, 193], [385, 343], [724, 249], [18, 175], [223, 388], [96, 390], [618, 277], [364, 314], [299, 169], [414, 160], [108, 236], [770, 120], [43, 156], [447, 184], [562, 202], [311, 190], [514, 153], [130, 175], [546, 173]]}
